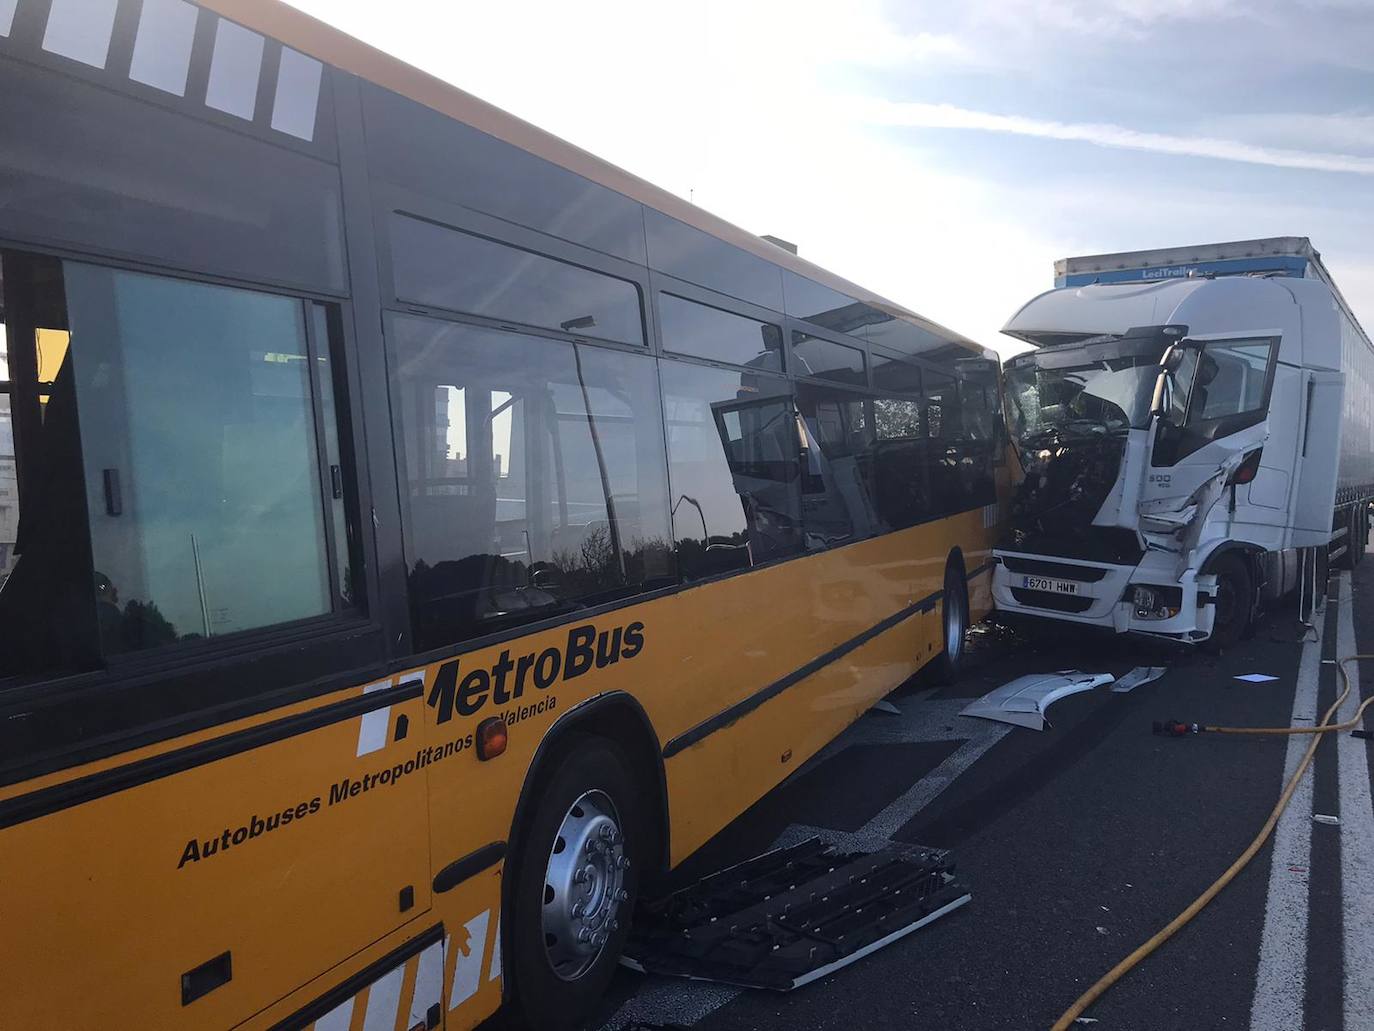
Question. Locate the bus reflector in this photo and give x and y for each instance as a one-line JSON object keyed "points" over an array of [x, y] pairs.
{"points": [[491, 737]]}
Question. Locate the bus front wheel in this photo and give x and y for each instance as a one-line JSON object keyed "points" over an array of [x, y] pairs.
{"points": [[577, 879], [954, 621]]}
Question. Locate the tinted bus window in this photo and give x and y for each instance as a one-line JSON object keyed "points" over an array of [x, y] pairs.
{"points": [[167, 461], [534, 478], [732, 453], [446, 268], [706, 332], [824, 359], [837, 481], [901, 455], [894, 375]]}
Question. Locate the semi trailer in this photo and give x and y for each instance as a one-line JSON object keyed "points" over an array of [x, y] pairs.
{"points": [[1195, 427]]}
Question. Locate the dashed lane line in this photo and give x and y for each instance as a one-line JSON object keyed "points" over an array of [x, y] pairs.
{"points": [[1357, 837], [1281, 980], [686, 1002]]}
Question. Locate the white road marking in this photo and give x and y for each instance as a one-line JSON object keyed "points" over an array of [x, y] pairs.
{"points": [[672, 1000], [1357, 836], [1281, 979]]}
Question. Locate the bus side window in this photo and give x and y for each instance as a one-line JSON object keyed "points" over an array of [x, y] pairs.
{"points": [[168, 464], [732, 468], [534, 476], [841, 507]]}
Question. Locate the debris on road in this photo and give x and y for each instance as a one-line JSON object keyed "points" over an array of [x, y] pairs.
{"points": [[1136, 677], [883, 705], [793, 915], [1256, 678], [1023, 701], [1331, 821]]}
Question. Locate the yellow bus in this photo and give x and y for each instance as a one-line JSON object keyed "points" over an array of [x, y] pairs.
{"points": [[422, 535]]}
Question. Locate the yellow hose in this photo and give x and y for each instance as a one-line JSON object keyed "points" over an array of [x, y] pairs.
{"points": [[1168, 930]]}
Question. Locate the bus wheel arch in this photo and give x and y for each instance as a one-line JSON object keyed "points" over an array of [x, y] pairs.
{"points": [[615, 728]]}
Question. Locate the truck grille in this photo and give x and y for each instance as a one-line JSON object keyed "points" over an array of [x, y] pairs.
{"points": [[1054, 602], [1061, 570]]}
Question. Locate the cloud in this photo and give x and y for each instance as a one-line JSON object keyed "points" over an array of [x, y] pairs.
{"points": [[915, 115]]}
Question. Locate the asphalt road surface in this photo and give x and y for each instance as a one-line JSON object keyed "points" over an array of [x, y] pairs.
{"points": [[1081, 841]]}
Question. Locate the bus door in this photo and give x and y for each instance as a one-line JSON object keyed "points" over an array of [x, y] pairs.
{"points": [[171, 562]]}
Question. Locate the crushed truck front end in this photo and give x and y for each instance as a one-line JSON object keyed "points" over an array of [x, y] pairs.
{"points": [[1161, 486]]}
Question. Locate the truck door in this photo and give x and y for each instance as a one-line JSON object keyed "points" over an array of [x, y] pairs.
{"points": [[1319, 445], [1215, 416]]}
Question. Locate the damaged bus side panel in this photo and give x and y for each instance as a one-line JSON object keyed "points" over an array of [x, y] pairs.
{"points": [[1189, 445]]}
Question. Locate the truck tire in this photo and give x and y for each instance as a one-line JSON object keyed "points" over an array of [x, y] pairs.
{"points": [[954, 619], [577, 877], [1235, 601]]}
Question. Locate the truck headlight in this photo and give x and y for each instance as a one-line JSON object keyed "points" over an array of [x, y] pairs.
{"points": [[1155, 602]]}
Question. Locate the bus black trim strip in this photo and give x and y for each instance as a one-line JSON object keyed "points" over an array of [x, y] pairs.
{"points": [[470, 865], [726, 717], [46, 801], [308, 1014]]}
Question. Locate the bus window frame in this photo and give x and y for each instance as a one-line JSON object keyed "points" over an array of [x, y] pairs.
{"points": [[390, 200], [142, 697], [661, 283]]}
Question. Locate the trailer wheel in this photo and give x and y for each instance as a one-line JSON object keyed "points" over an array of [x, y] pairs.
{"points": [[1235, 601], [577, 878], [954, 618]]}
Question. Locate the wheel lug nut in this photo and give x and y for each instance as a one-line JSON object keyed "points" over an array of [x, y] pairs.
{"points": [[622, 895], [578, 909], [622, 863], [585, 935], [607, 831]]}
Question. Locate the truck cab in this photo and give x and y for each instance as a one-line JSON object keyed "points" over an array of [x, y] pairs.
{"points": [[1179, 441]]}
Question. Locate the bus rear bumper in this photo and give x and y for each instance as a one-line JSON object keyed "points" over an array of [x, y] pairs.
{"points": [[1144, 599]]}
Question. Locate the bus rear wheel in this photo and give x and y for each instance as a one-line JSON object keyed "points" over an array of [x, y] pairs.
{"points": [[954, 620], [576, 882]]}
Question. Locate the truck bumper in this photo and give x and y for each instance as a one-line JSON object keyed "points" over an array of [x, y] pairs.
{"points": [[1101, 593]]}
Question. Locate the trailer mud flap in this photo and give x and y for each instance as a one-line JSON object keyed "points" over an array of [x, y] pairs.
{"points": [[793, 915]]}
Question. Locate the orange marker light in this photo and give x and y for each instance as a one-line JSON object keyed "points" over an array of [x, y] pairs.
{"points": [[491, 737]]}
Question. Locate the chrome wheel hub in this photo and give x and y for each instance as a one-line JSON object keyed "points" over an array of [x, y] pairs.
{"points": [[584, 885]]}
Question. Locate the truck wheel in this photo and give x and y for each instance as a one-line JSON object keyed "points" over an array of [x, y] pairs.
{"points": [[1235, 601], [576, 882], [953, 622]]}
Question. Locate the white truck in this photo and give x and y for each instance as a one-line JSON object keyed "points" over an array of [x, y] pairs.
{"points": [[1196, 432]]}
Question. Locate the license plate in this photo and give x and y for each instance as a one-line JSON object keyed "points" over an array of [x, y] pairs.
{"points": [[1044, 583]]}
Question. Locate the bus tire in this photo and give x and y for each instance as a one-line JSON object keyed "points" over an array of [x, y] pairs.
{"points": [[577, 880], [954, 621], [1235, 601]]}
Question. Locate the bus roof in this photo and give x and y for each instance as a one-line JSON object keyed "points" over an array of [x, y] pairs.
{"points": [[334, 47]]}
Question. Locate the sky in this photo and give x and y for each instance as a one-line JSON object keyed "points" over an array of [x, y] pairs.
{"points": [[944, 154]]}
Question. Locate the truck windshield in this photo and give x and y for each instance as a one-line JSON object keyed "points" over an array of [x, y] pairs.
{"points": [[1076, 389]]}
